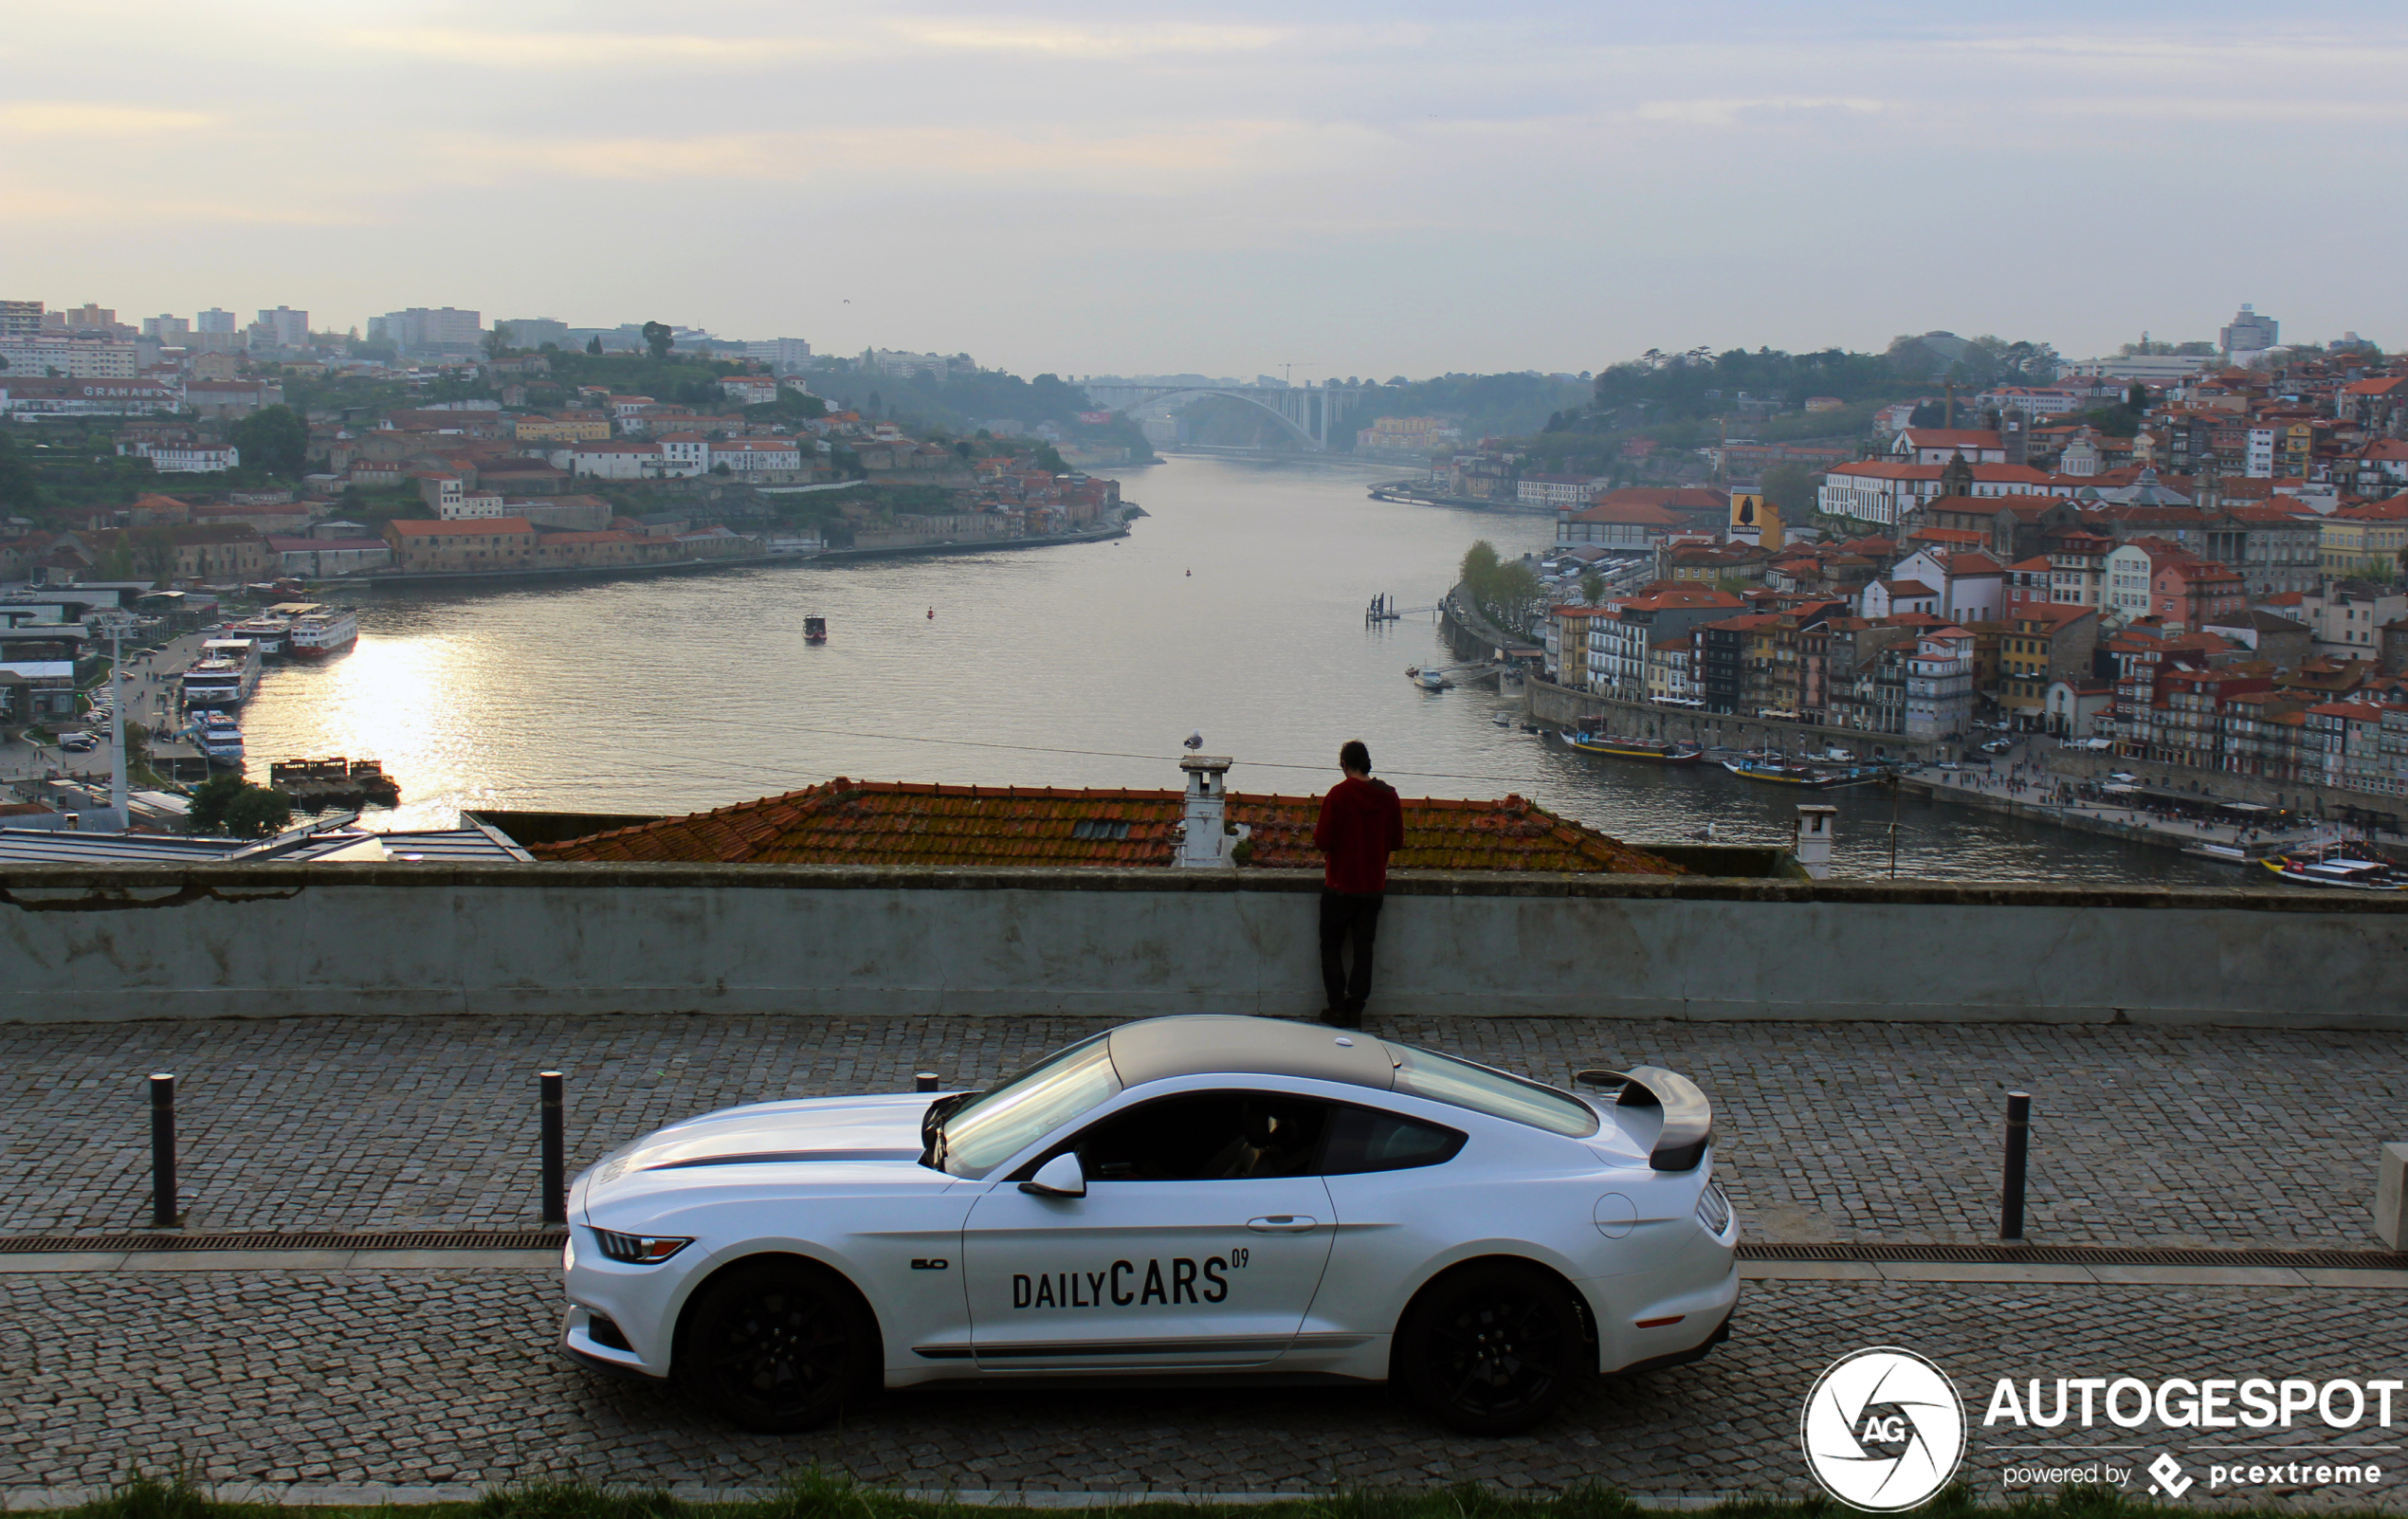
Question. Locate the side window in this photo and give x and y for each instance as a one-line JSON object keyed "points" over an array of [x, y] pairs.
{"points": [[1220, 1136], [1361, 1140]]}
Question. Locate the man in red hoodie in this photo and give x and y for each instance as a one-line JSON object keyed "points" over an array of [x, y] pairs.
{"points": [[1361, 823]]}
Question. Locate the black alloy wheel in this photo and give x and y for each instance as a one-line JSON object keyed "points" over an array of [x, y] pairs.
{"points": [[780, 1347], [1491, 1349]]}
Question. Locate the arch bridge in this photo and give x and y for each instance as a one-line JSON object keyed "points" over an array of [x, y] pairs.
{"points": [[1308, 414]]}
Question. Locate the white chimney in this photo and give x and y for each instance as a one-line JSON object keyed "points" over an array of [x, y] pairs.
{"points": [[1812, 846], [1208, 840]]}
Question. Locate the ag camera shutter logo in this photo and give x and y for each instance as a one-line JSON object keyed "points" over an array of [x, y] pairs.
{"points": [[1883, 1430]]}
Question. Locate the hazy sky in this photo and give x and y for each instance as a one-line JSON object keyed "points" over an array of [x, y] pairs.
{"points": [[1363, 189]]}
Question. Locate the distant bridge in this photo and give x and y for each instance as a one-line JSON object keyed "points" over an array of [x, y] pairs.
{"points": [[1309, 413]]}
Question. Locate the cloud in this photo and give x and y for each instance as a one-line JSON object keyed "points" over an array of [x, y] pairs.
{"points": [[586, 49], [1137, 159], [95, 119], [1731, 112], [1090, 41]]}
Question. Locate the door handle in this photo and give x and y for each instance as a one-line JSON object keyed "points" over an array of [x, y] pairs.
{"points": [[1283, 1223]]}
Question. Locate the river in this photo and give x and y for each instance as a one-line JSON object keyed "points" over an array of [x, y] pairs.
{"points": [[1234, 609]]}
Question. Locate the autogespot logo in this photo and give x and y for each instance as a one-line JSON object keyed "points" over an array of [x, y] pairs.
{"points": [[1883, 1430]]}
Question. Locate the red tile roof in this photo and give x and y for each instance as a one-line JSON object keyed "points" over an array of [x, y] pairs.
{"points": [[862, 822]]}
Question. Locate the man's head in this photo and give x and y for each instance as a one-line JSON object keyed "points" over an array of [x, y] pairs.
{"points": [[1354, 759]]}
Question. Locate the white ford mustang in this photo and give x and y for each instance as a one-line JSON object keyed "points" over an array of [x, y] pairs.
{"points": [[1178, 1197]]}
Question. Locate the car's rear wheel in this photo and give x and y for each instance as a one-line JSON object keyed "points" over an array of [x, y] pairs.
{"points": [[1490, 1349], [779, 1345]]}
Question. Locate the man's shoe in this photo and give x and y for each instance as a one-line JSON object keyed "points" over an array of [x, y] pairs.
{"points": [[1344, 1015]]}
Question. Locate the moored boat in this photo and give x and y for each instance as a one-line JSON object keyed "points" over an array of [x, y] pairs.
{"points": [[1813, 778], [1655, 751], [320, 630], [2348, 873], [224, 675], [218, 738]]}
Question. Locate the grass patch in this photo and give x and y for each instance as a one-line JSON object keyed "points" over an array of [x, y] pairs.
{"points": [[817, 1494]]}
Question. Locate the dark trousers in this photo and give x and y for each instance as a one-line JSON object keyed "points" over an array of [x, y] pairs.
{"points": [[1345, 917]]}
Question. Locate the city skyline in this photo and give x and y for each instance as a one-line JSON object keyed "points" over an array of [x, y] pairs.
{"points": [[1066, 188]]}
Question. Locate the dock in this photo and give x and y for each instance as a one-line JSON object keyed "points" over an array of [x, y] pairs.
{"points": [[2233, 845], [317, 784]]}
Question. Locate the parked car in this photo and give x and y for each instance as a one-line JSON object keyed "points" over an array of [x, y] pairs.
{"points": [[1189, 1196]]}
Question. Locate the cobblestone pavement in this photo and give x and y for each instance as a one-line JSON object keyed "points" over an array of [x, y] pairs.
{"points": [[1827, 1131], [449, 1377]]}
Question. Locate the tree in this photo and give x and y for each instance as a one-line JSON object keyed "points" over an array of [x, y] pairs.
{"points": [[497, 342], [1791, 489], [593, 344], [273, 438], [230, 806], [1928, 414], [18, 490], [659, 338], [1478, 562], [1593, 589]]}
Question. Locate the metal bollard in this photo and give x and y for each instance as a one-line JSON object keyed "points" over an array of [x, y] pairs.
{"points": [[556, 1149], [925, 1081], [2018, 1145], [163, 1214]]}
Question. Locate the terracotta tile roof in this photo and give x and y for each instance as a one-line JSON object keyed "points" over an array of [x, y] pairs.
{"points": [[861, 822]]}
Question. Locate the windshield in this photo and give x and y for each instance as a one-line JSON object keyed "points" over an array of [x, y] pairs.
{"points": [[1446, 1079], [1001, 1122]]}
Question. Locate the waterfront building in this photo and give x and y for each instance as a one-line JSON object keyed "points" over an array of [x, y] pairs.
{"points": [[1555, 492], [1940, 693], [1620, 635], [2040, 647]]}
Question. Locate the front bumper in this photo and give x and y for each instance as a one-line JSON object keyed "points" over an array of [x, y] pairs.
{"points": [[580, 1343]]}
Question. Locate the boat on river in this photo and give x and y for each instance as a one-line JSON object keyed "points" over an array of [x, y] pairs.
{"points": [[2339, 867], [319, 630], [1810, 776], [1654, 751], [1429, 680], [224, 675], [219, 737], [814, 629]]}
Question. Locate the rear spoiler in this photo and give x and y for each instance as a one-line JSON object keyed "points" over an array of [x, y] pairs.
{"points": [[1688, 1118]]}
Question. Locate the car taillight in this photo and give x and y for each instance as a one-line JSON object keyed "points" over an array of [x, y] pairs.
{"points": [[1713, 1210], [641, 1249]]}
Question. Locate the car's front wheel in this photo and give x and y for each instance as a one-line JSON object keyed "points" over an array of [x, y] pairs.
{"points": [[779, 1345], [1490, 1349]]}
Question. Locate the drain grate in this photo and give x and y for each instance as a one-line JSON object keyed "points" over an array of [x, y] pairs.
{"points": [[412, 1240], [1942, 1255]]}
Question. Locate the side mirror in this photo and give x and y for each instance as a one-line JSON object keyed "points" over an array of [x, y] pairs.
{"points": [[1058, 1177]]}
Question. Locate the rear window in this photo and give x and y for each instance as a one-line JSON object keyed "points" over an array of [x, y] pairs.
{"points": [[1446, 1079]]}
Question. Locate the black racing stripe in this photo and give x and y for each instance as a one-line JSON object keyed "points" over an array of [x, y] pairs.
{"points": [[782, 1157]]}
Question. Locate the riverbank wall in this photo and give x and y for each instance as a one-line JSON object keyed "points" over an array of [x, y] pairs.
{"points": [[270, 941], [1568, 708], [2219, 785], [614, 572]]}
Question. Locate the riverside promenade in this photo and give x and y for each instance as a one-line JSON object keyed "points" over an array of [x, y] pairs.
{"points": [[301, 1373]]}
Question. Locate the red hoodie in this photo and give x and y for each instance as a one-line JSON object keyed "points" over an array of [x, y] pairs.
{"points": [[1361, 824]]}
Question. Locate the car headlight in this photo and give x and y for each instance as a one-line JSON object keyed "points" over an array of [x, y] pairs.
{"points": [[1713, 1210], [641, 1249]]}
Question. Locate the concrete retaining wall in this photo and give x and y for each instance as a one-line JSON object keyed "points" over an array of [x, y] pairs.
{"points": [[1563, 707], [277, 941]]}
